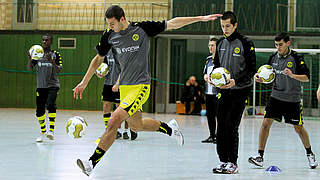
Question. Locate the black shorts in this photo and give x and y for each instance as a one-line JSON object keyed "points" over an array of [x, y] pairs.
{"points": [[109, 95], [291, 111]]}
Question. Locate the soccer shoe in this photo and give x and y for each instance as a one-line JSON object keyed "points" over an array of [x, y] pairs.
{"points": [[40, 138], [209, 140], [125, 135], [85, 166], [50, 135], [134, 135], [257, 161], [219, 168], [176, 133], [312, 161], [118, 135], [230, 169]]}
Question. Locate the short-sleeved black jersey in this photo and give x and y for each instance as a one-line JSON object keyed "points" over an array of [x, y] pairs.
{"points": [[46, 74], [286, 88], [130, 48]]}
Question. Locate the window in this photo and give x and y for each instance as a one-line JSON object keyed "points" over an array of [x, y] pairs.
{"points": [[24, 14], [66, 43], [24, 11]]}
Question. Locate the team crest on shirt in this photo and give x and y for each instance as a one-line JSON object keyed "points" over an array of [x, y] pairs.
{"points": [[289, 64], [135, 37], [236, 50]]}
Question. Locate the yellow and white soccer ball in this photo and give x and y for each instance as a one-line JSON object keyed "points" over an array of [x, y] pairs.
{"points": [[103, 69], [266, 74], [219, 76], [76, 127], [36, 52]]}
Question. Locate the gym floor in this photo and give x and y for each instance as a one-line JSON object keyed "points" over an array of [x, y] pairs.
{"points": [[151, 155]]}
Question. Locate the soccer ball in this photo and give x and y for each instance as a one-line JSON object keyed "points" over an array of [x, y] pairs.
{"points": [[103, 69], [219, 76], [36, 52], [76, 127], [266, 74]]}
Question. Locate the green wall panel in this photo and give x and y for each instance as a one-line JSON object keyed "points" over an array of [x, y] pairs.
{"points": [[19, 85]]}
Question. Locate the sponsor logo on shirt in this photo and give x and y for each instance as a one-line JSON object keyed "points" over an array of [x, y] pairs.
{"points": [[128, 49], [289, 64], [279, 72], [41, 64]]}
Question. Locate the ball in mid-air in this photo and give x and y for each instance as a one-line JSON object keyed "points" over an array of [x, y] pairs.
{"points": [[76, 127]]}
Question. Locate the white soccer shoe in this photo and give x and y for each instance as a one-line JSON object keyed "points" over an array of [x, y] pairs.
{"points": [[40, 138], [85, 166], [312, 161], [176, 133], [50, 135]]}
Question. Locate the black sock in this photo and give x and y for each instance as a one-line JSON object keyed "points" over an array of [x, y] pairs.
{"points": [[261, 152], [97, 155], [164, 128], [308, 150]]}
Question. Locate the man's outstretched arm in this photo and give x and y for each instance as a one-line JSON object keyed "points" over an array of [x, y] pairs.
{"points": [[179, 22]]}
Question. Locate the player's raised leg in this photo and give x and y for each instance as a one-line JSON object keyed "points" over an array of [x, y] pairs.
{"points": [[171, 128], [106, 141]]}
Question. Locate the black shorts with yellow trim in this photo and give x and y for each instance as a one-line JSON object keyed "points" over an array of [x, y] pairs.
{"points": [[109, 95], [132, 97], [291, 111]]}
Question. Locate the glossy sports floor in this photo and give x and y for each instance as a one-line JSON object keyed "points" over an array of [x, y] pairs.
{"points": [[151, 156]]}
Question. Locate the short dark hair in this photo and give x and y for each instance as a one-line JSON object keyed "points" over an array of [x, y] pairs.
{"points": [[282, 36], [229, 15], [213, 39], [115, 12], [49, 36]]}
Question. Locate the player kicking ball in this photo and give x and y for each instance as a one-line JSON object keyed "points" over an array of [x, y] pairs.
{"points": [[130, 43]]}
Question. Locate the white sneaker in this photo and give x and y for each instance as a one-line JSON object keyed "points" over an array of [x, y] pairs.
{"points": [[230, 169], [219, 168], [50, 135], [85, 166], [176, 133], [40, 138], [256, 160], [312, 161]]}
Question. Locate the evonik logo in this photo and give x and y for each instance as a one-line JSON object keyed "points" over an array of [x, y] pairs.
{"points": [[127, 49]]}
